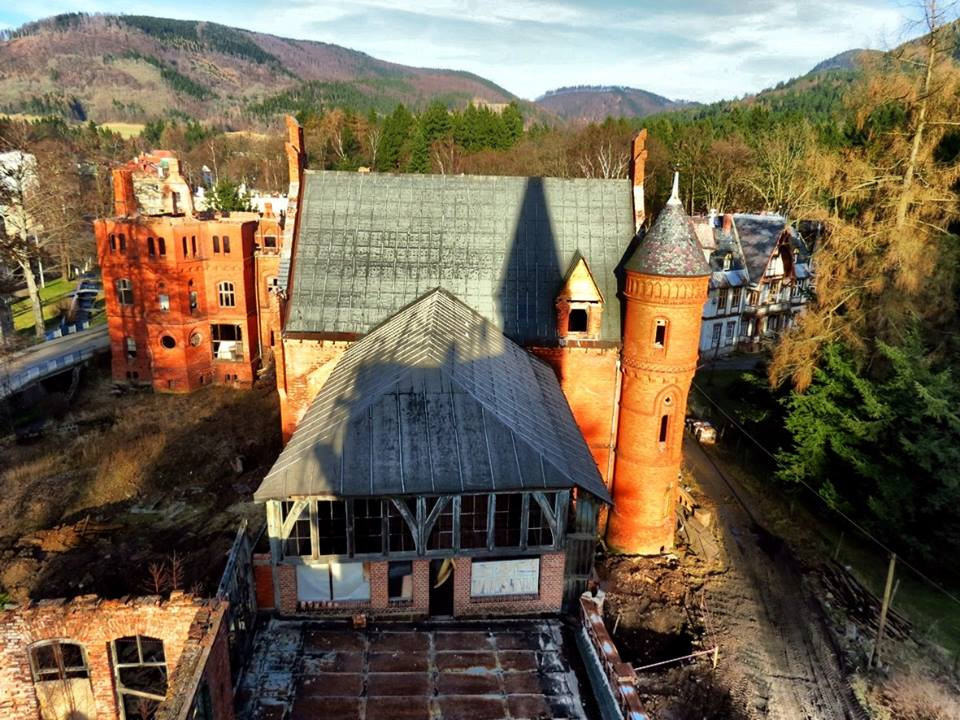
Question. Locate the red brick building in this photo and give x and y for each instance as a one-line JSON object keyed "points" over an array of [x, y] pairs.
{"points": [[187, 294], [131, 659]]}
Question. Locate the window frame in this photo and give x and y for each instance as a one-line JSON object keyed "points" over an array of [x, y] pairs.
{"points": [[121, 689], [226, 294], [62, 672], [123, 291]]}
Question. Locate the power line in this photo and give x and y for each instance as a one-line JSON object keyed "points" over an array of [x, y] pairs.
{"points": [[837, 510]]}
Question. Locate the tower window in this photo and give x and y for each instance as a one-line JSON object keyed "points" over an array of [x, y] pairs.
{"points": [[216, 243], [664, 420], [161, 247], [124, 291], [270, 241], [113, 242], [577, 322], [184, 246], [151, 250], [193, 245], [226, 245], [660, 334], [226, 295]]}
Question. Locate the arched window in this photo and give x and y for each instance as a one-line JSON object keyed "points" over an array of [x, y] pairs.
{"points": [[113, 242], [161, 246], [124, 291], [216, 244], [225, 294], [664, 423], [140, 671], [184, 246], [58, 660], [151, 250], [193, 245], [123, 242], [226, 245]]}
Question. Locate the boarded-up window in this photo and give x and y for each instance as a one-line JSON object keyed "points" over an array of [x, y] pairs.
{"points": [[61, 680], [505, 577]]}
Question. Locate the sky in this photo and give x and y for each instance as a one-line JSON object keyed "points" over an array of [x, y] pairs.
{"points": [[700, 50]]}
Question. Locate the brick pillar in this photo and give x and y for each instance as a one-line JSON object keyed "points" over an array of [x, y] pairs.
{"points": [[657, 371]]}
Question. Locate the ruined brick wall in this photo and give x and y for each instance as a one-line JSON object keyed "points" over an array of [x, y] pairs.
{"points": [[263, 581], [306, 366], [92, 623], [188, 265], [549, 599]]}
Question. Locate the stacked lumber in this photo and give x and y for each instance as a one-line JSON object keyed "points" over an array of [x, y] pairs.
{"points": [[861, 605]]}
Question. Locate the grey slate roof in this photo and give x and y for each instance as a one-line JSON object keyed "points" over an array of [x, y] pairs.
{"points": [[434, 400], [369, 244], [758, 235], [670, 247]]}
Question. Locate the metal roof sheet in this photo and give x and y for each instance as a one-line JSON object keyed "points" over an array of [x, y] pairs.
{"points": [[434, 400], [368, 244]]}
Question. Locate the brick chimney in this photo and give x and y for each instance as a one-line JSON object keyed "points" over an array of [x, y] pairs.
{"points": [[124, 199], [727, 223], [295, 154], [637, 166]]}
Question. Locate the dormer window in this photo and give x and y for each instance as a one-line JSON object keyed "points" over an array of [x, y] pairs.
{"points": [[660, 334], [579, 304], [727, 261]]}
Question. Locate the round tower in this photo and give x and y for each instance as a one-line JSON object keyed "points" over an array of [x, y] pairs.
{"points": [[666, 285]]}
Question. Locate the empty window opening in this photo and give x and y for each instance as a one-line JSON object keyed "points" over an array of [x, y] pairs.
{"points": [[168, 342], [660, 334], [151, 247], [400, 581], [58, 660], [113, 242], [193, 300], [123, 242], [539, 533], [331, 526], [193, 245], [270, 241], [368, 526], [140, 671], [161, 247], [441, 534], [577, 321], [216, 244], [131, 348], [184, 246], [164, 301], [226, 245], [124, 291], [225, 294], [664, 420], [507, 515], [473, 521], [297, 543], [227, 342], [400, 536]]}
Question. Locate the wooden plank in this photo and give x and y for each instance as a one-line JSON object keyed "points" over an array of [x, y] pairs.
{"points": [[491, 514], [524, 521]]}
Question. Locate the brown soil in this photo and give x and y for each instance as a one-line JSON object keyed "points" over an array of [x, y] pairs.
{"points": [[133, 493]]}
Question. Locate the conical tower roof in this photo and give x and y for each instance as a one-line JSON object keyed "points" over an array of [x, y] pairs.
{"points": [[670, 248]]}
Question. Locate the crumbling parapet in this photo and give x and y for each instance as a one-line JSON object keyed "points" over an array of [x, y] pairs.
{"points": [[614, 681]]}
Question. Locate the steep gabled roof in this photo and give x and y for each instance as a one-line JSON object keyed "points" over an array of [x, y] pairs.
{"points": [[370, 243], [579, 283], [434, 400], [670, 247], [758, 236]]}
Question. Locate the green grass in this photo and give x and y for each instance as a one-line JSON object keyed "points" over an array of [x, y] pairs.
{"points": [[50, 296]]}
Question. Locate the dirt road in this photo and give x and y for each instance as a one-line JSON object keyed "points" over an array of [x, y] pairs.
{"points": [[777, 654]]}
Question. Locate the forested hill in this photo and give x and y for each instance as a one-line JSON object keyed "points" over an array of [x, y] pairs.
{"points": [[590, 103], [132, 68]]}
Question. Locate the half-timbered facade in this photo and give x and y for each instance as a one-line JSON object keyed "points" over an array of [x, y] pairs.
{"points": [[434, 473]]}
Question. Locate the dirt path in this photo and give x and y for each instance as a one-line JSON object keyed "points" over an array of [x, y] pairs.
{"points": [[779, 660]]}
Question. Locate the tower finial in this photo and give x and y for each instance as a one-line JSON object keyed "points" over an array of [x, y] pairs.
{"points": [[675, 195]]}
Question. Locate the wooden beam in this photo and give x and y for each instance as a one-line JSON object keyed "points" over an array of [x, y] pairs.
{"points": [[292, 517], [314, 530], [491, 511], [432, 517], [548, 513], [351, 543], [456, 523], [524, 520], [562, 509], [420, 540], [273, 530]]}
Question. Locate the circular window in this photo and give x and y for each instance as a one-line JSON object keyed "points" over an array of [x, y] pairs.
{"points": [[667, 400], [168, 342], [195, 339]]}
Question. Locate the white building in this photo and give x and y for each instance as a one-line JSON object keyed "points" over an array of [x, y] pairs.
{"points": [[761, 280]]}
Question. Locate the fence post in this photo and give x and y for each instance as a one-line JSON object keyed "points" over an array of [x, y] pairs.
{"points": [[887, 592]]}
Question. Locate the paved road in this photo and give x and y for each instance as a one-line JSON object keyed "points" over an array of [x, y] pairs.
{"points": [[780, 661], [49, 358]]}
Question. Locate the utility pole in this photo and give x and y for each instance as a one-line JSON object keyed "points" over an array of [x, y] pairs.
{"points": [[887, 592]]}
